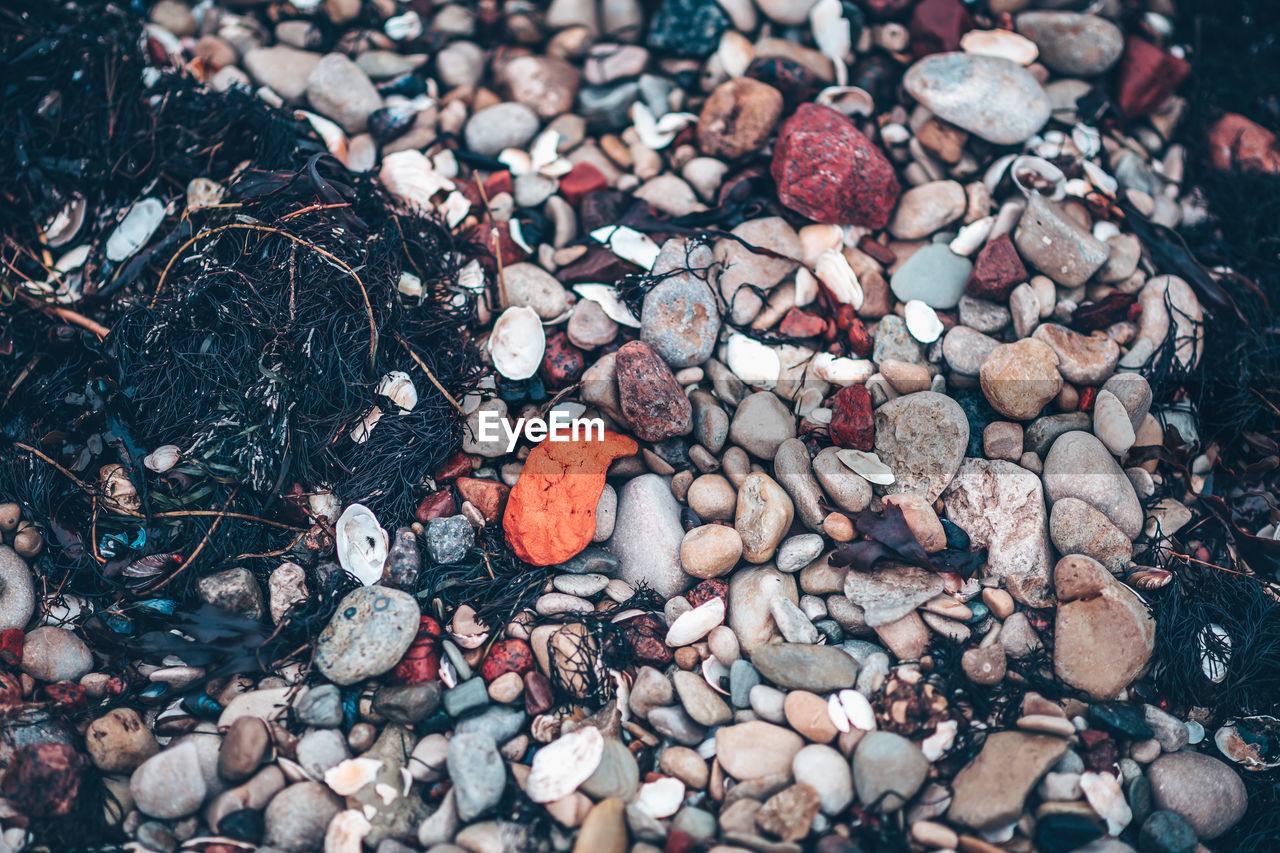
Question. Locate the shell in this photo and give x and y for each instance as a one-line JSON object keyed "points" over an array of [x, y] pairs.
{"points": [[866, 465], [324, 505], [346, 832], [857, 710], [1035, 175], [409, 176], [349, 776], [661, 797], [133, 232], [693, 625], [162, 458], [658, 133], [517, 343], [831, 31], [922, 322], [606, 296], [410, 285], [734, 53], [753, 362], [1107, 800], [972, 236], [833, 270], [203, 192], [816, 239], [628, 244], [1150, 579], [333, 136], [1252, 742], [362, 544], [1004, 44], [65, 223], [561, 766], [397, 387], [118, 490], [715, 674], [1215, 652]]}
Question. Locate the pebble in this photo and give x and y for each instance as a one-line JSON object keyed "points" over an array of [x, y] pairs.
{"points": [[1187, 319], [505, 125], [738, 117], [164, 785], [888, 770], [478, 774], [1072, 44], [742, 266], [1079, 465], [933, 274], [890, 591], [545, 84], [712, 497], [285, 70], [1204, 790], [1082, 359], [990, 97], [1092, 604], [796, 552], [923, 438], [763, 517], [754, 749], [680, 319], [589, 327], [793, 470], [647, 536], [1056, 245], [338, 89], [989, 792], [370, 631], [848, 490], [1021, 378], [55, 654], [710, 551], [449, 539], [530, 286], [119, 741], [17, 591], [926, 208], [652, 401], [319, 750], [703, 705], [296, 818], [693, 625], [1075, 527]]}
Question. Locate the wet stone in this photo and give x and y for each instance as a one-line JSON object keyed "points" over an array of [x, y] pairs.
{"points": [[370, 631]]}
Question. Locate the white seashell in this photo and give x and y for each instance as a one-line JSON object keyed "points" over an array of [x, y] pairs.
{"points": [[922, 321], [59, 230], [853, 101], [944, 736], [471, 277], [162, 458], [661, 797], [1087, 139], [445, 164], [1004, 44], [715, 674], [816, 239], [1097, 176], [734, 53], [808, 401], [448, 675], [628, 244], [995, 172], [564, 764], [753, 362], [1036, 175], [693, 625], [361, 544], [455, 208], [606, 296], [543, 153], [203, 192], [806, 287], [866, 465], [1102, 790], [820, 416], [517, 342], [409, 285], [894, 134], [835, 712], [403, 27], [397, 387], [408, 175], [1104, 230], [516, 231], [658, 133], [831, 31], [324, 505], [1077, 188], [346, 832], [833, 270], [1215, 652], [360, 432], [973, 236], [843, 370], [349, 776], [330, 133], [858, 710], [133, 232]]}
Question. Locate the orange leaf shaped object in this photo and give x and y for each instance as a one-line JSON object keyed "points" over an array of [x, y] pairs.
{"points": [[551, 514]]}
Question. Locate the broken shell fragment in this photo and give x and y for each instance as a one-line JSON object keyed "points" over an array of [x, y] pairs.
{"points": [[629, 244], [397, 387], [346, 832], [606, 296], [362, 544], [517, 343], [1251, 742], [118, 490], [1215, 652], [833, 270], [866, 465], [347, 777], [564, 764], [162, 458], [133, 232], [203, 192], [65, 223]]}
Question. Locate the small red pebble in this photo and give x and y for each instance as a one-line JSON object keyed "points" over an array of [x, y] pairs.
{"points": [[67, 697], [509, 655], [43, 779], [538, 695], [1088, 395], [1147, 76], [562, 362], [497, 183], [707, 590], [860, 343], [582, 179], [11, 642], [937, 25], [679, 842], [435, 505], [996, 271], [421, 663], [646, 638], [827, 170], [852, 420], [880, 253], [799, 323], [496, 240], [457, 465]]}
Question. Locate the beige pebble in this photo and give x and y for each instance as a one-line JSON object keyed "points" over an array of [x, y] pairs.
{"points": [[838, 527], [506, 688], [1000, 602]]}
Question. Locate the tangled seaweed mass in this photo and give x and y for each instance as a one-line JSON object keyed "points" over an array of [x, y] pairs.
{"points": [[937, 346]]}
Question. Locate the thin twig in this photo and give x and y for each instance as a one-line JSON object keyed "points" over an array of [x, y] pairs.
{"points": [[436, 382], [497, 243], [199, 548]]}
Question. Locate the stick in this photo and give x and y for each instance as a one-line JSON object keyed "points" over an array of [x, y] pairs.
{"points": [[436, 382]]}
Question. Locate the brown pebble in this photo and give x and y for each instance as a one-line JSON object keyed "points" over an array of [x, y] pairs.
{"points": [[1000, 602], [838, 527], [687, 658]]}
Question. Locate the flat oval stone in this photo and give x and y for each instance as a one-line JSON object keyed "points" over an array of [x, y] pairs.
{"points": [[1080, 466], [990, 97], [1072, 44], [797, 666], [933, 274], [370, 631]]}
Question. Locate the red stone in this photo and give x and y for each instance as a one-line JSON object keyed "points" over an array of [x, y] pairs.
{"points": [[583, 178], [707, 590], [488, 496], [680, 842], [1088, 395], [799, 323], [496, 240], [645, 636], [43, 779], [510, 655], [653, 403], [10, 691], [882, 254], [852, 421], [66, 697], [1101, 753], [937, 25], [457, 465], [562, 362], [11, 642], [1147, 76], [421, 663], [827, 170], [996, 271], [497, 183], [435, 505], [598, 264], [1236, 142], [538, 694]]}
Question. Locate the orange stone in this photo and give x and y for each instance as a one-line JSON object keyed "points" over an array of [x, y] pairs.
{"points": [[551, 513]]}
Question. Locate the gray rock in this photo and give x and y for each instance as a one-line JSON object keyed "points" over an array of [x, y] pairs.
{"points": [[284, 70], [680, 319], [467, 696], [338, 89], [933, 274], [1080, 466], [894, 341], [796, 552], [17, 591], [710, 422], [743, 680], [320, 706], [647, 535], [1075, 527], [606, 106], [449, 539], [167, 785], [1166, 728], [370, 631], [235, 591], [797, 666], [529, 285], [703, 705], [673, 722], [982, 315], [891, 591], [742, 266], [320, 749], [618, 774], [1166, 832], [297, 817], [505, 125], [1002, 507], [478, 773], [993, 98], [500, 722], [1134, 393], [888, 770], [827, 772], [55, 654], [966, 349], [1204, 790], [761, 423], [847, 490], [792, 468], [1043, 432], [408, 704], [1071, 44], [1056, 245], [922, 437]]}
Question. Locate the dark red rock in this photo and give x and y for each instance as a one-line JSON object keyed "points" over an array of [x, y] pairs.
{"points": [[598, 264], [582, 179], [457, 465], [1147, 76], [10, 691], [860, 343], [1236, 142], [497, 183], [509, 655], [653, 402], [799, 323], [538, 694], [496, 240], [43, 779], [562, 362], [66, 697], [645, 638], [679, 842], [488, 496], [707, 590], [1088, 395], [937, 25], [797, 84], [1100, 753], [421, 662], [882, 254], [827, 170], [435, 505], [852, 421], [996, 271], [11, 642]]}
